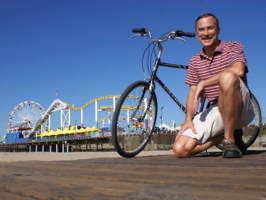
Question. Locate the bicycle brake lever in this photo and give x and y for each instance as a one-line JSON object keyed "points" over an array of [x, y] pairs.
{"points": [[178, 38], [135, 35], [138, 35]]}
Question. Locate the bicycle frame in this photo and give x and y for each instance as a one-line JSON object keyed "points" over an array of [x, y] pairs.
{"points": [[167, 90], [155, 78]]}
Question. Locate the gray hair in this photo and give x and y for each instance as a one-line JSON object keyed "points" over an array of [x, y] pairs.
{"points": [[207, 15]]}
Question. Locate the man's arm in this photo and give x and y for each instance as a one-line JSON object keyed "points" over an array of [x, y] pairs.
{"points": [[238, 68], [188, 124]]}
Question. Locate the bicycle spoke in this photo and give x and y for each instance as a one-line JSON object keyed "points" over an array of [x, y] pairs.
{"points": [[134, 119]]}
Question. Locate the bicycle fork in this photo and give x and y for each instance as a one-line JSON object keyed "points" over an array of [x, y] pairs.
{"points": [[146, 109]]}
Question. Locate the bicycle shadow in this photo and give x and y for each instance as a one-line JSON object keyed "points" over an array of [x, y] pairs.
{"points": [[220, 153], [254, 152]]}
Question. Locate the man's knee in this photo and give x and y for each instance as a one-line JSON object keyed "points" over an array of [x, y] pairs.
{"points": [[228, 80], [180, 150]]}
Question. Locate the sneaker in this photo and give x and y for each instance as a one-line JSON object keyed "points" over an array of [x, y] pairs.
{"points": [[230, 150], [239, 141]]}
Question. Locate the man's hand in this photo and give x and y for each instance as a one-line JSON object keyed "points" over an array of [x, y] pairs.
{"points": [[186, 125], [199, 93]]}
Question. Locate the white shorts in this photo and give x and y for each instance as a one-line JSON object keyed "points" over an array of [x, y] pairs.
{"points": [[209, 123]]}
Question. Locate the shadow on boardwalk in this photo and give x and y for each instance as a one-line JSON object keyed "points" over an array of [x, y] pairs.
{"points": [[216, 154]]}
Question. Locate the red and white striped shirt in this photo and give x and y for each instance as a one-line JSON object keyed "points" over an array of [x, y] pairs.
{"points": [[202, 68]]}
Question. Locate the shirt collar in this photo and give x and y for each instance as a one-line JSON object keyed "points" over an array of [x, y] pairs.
{"points": [[219, 50]]}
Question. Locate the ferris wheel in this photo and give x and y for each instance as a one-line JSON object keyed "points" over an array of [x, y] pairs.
{"points": [[25, 112]]}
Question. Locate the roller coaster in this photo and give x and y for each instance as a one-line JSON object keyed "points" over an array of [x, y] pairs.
{"points": [[31, 125]]}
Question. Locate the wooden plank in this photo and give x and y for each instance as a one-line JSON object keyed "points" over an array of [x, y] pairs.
{"points": [[152, 177]]}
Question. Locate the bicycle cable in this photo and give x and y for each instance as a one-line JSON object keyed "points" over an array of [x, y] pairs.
{"points": [[143, 56], [150, 55]]}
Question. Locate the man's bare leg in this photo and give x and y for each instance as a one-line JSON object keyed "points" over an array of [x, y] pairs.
{"points": [[230, 102], [186, 147]]}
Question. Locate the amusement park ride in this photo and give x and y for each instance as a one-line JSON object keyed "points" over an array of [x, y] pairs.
{"points": [[30, 118]]}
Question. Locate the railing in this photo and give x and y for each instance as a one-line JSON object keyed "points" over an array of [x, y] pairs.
{"points": [[63, 137], [66, 137]]}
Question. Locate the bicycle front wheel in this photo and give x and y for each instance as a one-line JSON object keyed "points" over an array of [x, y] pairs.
{"points": [[134, 119], [251, 132]]}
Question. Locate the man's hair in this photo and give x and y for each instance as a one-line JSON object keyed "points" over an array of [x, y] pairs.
{"points": [[207, 15]]}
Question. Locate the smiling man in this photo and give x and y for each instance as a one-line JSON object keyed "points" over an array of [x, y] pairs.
{"points": [[219, 72]]}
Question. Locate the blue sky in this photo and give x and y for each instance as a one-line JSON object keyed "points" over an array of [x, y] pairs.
{"points": [[83, 49]]}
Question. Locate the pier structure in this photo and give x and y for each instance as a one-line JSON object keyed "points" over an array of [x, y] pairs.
{"points": [[163, 140], [159, 141]]}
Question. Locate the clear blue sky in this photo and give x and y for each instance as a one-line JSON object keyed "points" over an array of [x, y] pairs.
{"points": [[83, 50]]}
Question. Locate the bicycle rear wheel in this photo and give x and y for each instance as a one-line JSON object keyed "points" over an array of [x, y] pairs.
{"points": [[134, 119], [251, 132]]}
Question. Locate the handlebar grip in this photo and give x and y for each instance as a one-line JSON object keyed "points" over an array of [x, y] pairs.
{"points": [[181, 33], [136, 30]]}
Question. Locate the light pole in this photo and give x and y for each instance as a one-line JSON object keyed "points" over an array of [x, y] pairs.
{"points": [[75, 128], [161, 116]]}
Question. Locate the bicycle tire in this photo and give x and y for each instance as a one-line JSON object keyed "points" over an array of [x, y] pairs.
{"points": [[129, 133], [251, 135]]}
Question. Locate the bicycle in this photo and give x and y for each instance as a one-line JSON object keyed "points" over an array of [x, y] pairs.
{"points": [[136, 111]]}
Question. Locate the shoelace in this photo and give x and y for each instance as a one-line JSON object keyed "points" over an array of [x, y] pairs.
{"points": [[229, 145]]}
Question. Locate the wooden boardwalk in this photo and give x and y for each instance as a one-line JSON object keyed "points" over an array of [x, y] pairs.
{"points": [[151, 177]]}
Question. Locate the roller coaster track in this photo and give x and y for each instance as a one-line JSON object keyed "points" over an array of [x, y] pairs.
{"points": [[97, 99], [59, 105], [110, 108], [125, 118]]}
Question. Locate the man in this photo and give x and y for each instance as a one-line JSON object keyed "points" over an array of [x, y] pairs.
{"points": [[219, 72]]}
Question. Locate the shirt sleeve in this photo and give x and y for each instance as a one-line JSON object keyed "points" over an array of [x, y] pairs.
{"points": [[236, 54], [192, 77]]}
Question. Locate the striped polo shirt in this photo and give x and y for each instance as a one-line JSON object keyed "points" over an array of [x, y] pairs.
{"points": [[202, 68]]}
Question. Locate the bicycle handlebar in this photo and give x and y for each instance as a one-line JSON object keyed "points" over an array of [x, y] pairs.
{"points": [[181, 33], [141, 31], [177, 34]]}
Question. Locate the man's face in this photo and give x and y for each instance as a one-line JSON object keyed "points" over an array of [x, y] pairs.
{"points": [[207, 31]]}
